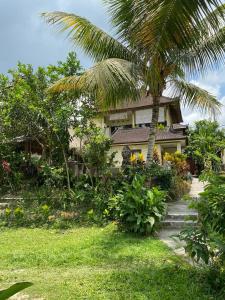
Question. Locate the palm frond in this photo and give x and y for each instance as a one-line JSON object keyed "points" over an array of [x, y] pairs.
{"points": [[163, 26], [192, 96], [110, 82], [208, 54], [93, 40]]}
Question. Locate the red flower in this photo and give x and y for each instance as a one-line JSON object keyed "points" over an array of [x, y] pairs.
{"points": [[6, 166]]}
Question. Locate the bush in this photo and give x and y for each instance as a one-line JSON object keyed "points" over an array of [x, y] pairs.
{"points": [[155, 174], [211, 206], [206, 243], [179, 188], [178, 163], [138, 209]]}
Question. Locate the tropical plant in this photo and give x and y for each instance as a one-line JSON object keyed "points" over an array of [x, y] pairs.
{"points": [[14, 289], [138, 209], [206, 141], [178, 162], [206, 242], [157, 43]]}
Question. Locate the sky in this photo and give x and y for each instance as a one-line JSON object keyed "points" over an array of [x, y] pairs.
{"points": [[27, 38]]}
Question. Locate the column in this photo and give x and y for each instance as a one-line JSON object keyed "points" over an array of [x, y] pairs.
{"points": [[159, 151], [133, 119], [223, 157], [179, 147]]}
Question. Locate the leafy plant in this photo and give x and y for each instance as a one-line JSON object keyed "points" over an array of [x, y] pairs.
{"points": [[138, 209], [14, 289], [205, 143], [178, 162], [206, 243]]}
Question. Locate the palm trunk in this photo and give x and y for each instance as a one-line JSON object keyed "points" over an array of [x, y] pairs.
{"points": [[153, 129]]}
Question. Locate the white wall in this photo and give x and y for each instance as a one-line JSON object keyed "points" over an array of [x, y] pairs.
{"points": [[145, 115]]}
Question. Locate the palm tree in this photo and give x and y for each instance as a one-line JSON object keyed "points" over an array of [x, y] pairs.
{"points": [[157, 43]]}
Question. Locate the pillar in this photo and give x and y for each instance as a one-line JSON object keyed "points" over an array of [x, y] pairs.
{"points": [[159, 150], [223, 157], [179, 147], [133, 119]]}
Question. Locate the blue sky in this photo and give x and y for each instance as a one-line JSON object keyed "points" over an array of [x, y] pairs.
{"points": [[25, 37]]}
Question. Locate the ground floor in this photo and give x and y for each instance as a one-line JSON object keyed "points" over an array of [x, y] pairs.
{"points": [[167, 140], [161, 148], [96, 263]]}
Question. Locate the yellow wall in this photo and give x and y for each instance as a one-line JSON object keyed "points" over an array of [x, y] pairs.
{"points": [[119, 149]]}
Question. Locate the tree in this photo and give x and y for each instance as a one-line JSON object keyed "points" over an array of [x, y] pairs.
{"points": [[205, 144], [157, 42], [28, 111]]}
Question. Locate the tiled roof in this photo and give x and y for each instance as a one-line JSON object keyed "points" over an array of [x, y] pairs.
{"points": [[143, 102], [138, 135]]}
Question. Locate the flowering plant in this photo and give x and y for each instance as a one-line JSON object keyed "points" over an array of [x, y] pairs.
{"points": [[6, 166]]}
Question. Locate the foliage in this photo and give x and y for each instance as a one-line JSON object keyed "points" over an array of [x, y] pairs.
{"points": [[95, 151], [155, 174], [138, 209], [207, 242], [51, 176], [212, 205], [178, 162], [30, 116], [179, 188], [205, 143], [14, 289]]}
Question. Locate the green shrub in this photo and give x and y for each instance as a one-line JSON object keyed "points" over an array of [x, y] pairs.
{"points": [[155, 174], [179, 188], [211, 206], [51, 176], [206, 242], [138, 209]]}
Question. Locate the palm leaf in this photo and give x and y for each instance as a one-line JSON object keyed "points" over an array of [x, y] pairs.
{"points": [[193, 96], [164, 27], [94, 41], [208, 54], [109, 82]]}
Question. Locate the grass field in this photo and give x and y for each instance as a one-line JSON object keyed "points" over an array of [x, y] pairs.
{"points": [[95, 263]]}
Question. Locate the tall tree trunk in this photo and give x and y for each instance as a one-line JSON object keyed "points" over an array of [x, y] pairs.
{"points": [[153, 129]]}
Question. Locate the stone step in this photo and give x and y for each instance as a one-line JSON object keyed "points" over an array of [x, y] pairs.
{"points": [[182, 216], [10, 199], [170, 223]]}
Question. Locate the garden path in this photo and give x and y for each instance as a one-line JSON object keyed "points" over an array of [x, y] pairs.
{"points": [[176, 219]]}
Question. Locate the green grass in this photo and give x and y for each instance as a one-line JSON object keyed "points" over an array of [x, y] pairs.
{"points": [[95, 263]]}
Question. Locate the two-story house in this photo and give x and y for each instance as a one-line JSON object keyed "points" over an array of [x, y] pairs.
{"points": [[128, 125]]}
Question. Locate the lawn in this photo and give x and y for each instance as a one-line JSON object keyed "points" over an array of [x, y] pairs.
{"points": [[95, 263]]}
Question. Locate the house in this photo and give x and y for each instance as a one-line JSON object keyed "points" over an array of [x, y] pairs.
{"points": [[128, 125]]}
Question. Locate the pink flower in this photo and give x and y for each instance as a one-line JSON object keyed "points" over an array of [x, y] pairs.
{"points": [[6, 166]]}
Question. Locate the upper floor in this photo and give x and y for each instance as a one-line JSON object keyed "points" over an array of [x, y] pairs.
{"points": [[139, 115]]}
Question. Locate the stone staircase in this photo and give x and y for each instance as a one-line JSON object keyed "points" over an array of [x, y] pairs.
{"points": [[179, 216]]}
